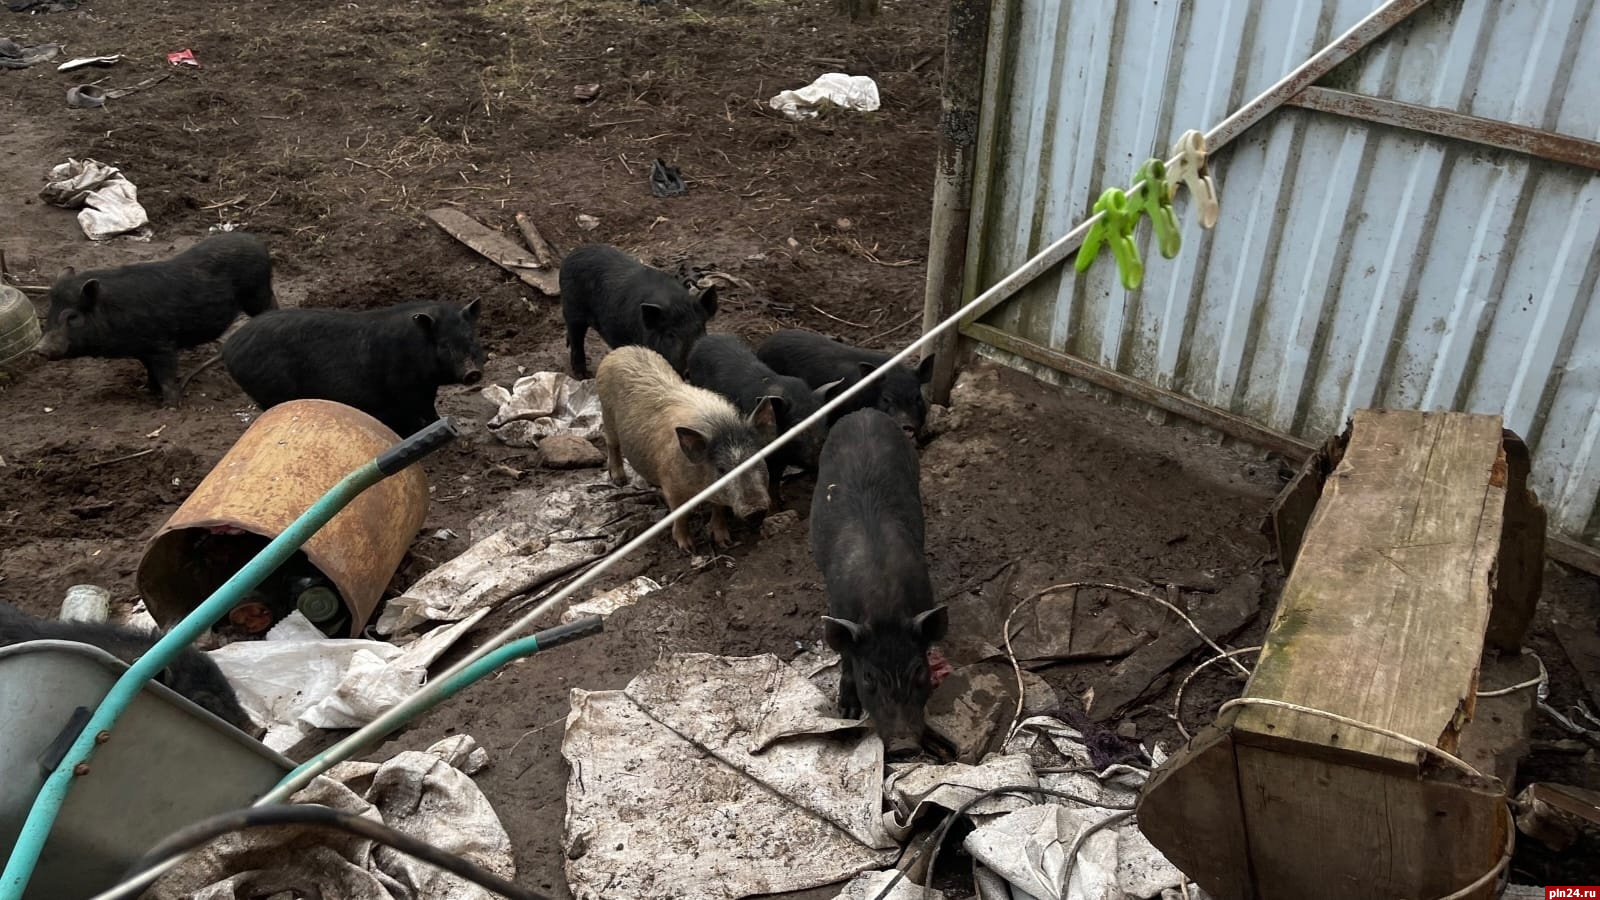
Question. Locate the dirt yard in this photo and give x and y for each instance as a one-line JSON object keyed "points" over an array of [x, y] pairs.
{"points": [[330, 129]]}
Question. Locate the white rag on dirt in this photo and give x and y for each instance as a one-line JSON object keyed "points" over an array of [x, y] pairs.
{"points": [[109, 200], [532, 541], [833, 90], [297, 678], [669, 797], [542, 404], [427, 795]]}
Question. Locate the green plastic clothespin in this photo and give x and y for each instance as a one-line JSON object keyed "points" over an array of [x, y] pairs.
{"points": [[1154, 199], [1116, 224]]}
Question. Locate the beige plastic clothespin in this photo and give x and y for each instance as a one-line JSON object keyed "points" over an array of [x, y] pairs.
{"points": [[1190, 153]]}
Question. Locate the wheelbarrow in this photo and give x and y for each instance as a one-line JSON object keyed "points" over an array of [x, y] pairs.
{"points": [[169, 765]]}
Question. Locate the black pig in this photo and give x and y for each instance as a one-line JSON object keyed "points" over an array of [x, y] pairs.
{"points": [[149, 311], [825, 363], [388, 363], [867, 538], [725, 363], [190, 674], [629, 303]]}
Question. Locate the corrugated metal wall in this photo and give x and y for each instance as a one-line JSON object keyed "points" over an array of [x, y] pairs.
{"points": [[1354, 264]]}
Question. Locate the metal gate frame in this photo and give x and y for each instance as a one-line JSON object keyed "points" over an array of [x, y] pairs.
{"points": [[1296, 89]]}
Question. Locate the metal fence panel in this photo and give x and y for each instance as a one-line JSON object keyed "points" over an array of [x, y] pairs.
{"points": [[1355, 264]]}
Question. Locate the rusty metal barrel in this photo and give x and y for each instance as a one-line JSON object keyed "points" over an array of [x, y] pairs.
{"points": [[288, 458]]}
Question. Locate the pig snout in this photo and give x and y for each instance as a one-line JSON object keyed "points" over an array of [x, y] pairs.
{"points": [[52, 346], [472, 376]]}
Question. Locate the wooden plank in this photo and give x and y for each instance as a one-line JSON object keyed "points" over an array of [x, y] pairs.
{"points": [[1220, 616], [1448, 123], [1321, 829], [544, 254], [497, 248], [1383, 618], [1190, 811], [1297, 502]]}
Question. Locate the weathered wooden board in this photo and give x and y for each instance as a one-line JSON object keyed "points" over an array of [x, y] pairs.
{"points": [[497, 248], [1190, 810], [1383, 617]]}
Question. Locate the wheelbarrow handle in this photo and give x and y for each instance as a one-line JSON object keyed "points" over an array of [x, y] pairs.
{"points": [[415, 447]]}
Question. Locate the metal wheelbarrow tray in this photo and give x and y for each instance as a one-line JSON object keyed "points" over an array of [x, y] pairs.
{"points": [[170, 765]]}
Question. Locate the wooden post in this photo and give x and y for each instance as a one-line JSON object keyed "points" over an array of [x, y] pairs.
{"points": [[965, 45], [1384, 620]]}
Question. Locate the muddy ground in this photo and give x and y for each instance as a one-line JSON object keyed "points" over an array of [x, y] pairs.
{"points": [[330, 129]]}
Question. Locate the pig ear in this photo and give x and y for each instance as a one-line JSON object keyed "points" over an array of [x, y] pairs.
{"points": [[89, 294], [840, 634], [68, 272], [931, 625], [652, 315], [424, 320], [693, 444], [827, 391], [765, 415], [470, 311], [866, 368], [925, 370], [708, 301]]}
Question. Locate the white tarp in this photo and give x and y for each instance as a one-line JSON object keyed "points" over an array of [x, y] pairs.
{"points": [[668, 796], [833, 90], [542, 404]]}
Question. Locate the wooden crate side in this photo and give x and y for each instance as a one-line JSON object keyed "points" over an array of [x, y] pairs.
{"points": [[1320, 829], [1190, 811], [1382, 619]]}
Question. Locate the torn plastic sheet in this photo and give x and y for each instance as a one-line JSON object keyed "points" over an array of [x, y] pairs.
{"points": [[1027, 848], [109, 201], [668, 797], [555, 533], [835, 89], [428, 795], [916, 788], [607, 602], [297, 678], [542, 404]]}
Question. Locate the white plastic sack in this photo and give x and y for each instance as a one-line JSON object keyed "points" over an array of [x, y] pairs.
{"points": [[427, 795], [297, 678], [110, 201], [607, 602], [835, 89]]}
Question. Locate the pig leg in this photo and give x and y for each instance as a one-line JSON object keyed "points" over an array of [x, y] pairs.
{"points": [[849, 703], [682, 533], [719, 526], [619, 476], [775, 483], [576, 358], [162, 369]]}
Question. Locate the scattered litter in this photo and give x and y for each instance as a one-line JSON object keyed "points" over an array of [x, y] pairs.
{"points": [[541, 405], [542, 537], [428, 795], [583, 93], [670, 795], [183, 58], [86, 603], [915, 789], [835, 89], [869, 886], [15, 56], [42, 6], [88, 96], [666, 181], [608, 602], [587, 222], [110, 202], [83, 61], [297, 678]]}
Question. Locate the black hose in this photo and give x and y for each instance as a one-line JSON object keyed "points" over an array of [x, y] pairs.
{"points": [[950, 819], [313, 816]]}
